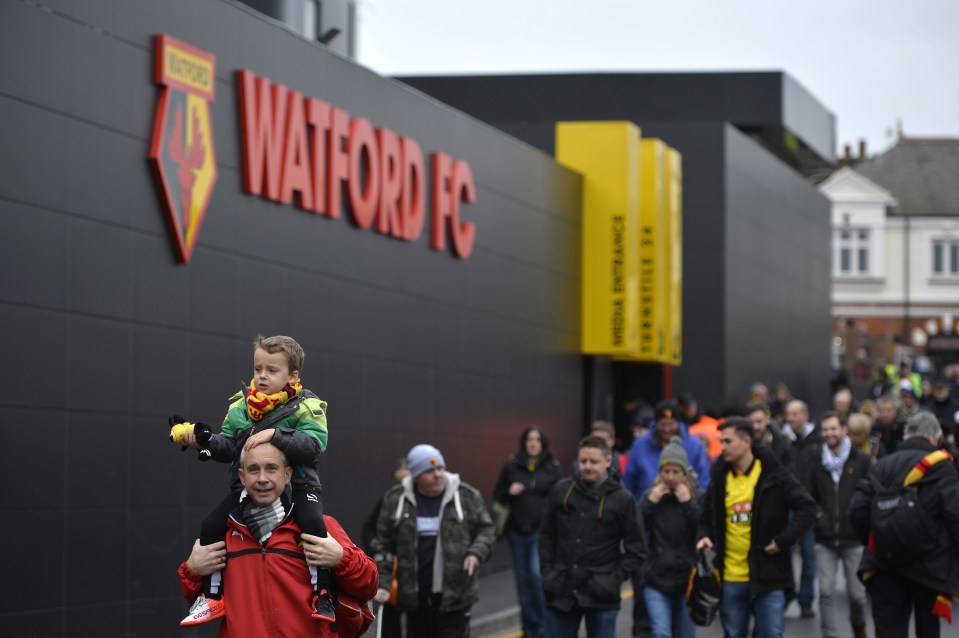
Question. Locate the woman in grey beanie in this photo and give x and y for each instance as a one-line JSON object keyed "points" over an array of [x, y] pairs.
{"points": [[670, 511]]}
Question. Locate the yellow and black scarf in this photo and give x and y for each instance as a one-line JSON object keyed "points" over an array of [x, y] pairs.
{"points": [[259, 404]]}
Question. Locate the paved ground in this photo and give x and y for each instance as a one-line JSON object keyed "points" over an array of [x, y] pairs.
{"points": [[497, 616]]}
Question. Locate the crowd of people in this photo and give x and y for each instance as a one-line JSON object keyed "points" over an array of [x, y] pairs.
{"points": [[755, 486], [870, 487]]}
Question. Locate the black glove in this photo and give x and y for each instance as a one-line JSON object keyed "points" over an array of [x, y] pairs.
{"points": [[179, 427], [203, 434]]}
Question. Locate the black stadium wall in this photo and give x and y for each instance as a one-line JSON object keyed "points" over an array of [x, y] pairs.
{"points": [[756, 232], [107, 334]]}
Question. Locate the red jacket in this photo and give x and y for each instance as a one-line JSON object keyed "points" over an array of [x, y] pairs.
{"points": [[268, 592]]}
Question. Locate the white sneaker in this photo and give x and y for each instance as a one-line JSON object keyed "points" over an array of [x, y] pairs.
{"points": [[204, 610]]}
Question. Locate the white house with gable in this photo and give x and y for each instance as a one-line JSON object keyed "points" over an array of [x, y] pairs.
{"points": [[895, 266]]}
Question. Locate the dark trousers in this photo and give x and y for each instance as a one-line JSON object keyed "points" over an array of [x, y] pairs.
{"points": [[308, 510], [391, 625], [428, 622], [642, 628], [894, 599]]}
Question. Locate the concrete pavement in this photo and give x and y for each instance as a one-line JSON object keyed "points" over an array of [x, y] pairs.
{"points": [[496, 615]]}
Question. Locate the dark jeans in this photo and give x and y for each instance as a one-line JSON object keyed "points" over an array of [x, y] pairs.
{"points": [[894, 599], [428, 622], [600, 623], [667, 614], [738, 604], [529, 582], [807, 576]]}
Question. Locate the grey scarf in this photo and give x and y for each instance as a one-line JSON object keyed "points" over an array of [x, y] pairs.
{"points": [[261, 521], [833, 461]]}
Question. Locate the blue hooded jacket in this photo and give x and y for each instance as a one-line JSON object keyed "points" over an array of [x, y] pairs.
{"points": [[643, 464]]}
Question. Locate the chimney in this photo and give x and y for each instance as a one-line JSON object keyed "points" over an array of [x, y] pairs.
{"points": [[862, 149], [847, 152]]}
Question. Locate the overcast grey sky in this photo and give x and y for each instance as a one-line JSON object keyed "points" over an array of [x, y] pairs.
{"points": [[870, 62]]}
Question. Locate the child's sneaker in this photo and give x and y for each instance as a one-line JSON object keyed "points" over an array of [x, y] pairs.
{"points": [[323, 606], [204, 610]]}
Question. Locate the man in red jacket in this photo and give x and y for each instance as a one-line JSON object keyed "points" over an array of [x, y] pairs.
{"points": [[264, 562]]}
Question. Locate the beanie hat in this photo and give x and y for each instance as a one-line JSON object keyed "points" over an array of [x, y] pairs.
{"points": [[675, 453], [666, 410], [423, 458], [686, 398]]}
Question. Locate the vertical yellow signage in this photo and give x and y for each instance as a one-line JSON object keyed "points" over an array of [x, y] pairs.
{"points": [[607, 155], [659, 306], [653, 253], [674, 204]]}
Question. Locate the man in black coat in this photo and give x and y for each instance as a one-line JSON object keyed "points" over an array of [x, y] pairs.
{"points": [[758, 414], [804, 436], [924, 585], [888, 427], [591, 541], [746, 519], [835, 470], [945, 405]]}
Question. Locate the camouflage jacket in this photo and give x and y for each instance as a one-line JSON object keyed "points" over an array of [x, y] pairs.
{"points": [[465, 528]]}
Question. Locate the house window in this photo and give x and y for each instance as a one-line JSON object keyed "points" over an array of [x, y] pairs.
{"points": [[945, 258], [853, 258]]}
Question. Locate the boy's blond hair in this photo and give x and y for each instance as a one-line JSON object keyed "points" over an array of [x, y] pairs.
{"points": [[281, 343]]}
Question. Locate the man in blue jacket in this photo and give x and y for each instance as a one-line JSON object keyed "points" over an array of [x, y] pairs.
{"points": [[643, 465]]}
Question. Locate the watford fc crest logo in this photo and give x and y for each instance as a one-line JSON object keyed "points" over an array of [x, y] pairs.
{"points": [[182, 151]]}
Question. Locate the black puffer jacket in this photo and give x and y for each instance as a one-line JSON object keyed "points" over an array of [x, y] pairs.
{"points": [[890, 435], [671, 531], [945, 412], [799, 457], [591, 541], [527, 509], [938, 567], [778, 492], [832, 500]]}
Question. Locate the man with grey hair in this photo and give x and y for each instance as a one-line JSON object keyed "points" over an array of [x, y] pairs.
{"points": [[926, 583]]}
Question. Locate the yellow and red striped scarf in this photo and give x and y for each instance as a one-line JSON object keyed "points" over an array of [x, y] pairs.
{"points": [[919, 471], [259, 404]]}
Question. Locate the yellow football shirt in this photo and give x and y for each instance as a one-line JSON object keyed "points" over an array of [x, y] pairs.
{"points": [[740, 489]]}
